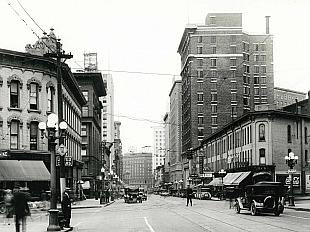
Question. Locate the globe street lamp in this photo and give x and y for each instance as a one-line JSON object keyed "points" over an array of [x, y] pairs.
{"points": [[291, 160], [49, 130]]}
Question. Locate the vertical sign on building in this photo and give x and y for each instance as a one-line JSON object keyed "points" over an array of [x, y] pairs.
{"points": [[90, 62]]}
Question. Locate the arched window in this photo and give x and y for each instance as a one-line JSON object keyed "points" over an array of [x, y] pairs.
{"points": [[14, 132], [262, 132], [14, 94], [34, 135], [289, 134], [262, 156], [34, 96]]}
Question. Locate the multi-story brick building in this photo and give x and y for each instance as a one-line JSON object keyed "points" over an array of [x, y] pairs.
{"points": [[28, 90], [137, 168], [92, 87], [259, 141], [284, 97], [225, 73], [174, 148]]}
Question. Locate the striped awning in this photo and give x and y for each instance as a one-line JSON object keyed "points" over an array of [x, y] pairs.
{"points": [[23, 170], [235, 178]]}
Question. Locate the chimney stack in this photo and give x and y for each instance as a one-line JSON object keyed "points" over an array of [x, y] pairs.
{"points": [[267, 24]]}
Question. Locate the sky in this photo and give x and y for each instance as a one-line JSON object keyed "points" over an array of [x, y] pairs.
{"points": [[142, 37]]}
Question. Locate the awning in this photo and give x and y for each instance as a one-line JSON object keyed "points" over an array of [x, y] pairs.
{"points": [[235, 178], [216, 182], [23, 170], [86, 185]]}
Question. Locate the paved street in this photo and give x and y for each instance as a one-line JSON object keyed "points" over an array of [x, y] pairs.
{"points": [[161, 214]]}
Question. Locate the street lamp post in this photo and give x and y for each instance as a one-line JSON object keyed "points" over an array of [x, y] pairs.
{"points": [[102, 199], [291, 160], [49, 130], [222, 173]]}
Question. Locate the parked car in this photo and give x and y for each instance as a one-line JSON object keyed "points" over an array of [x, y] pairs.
{"points": [[262, 197]]}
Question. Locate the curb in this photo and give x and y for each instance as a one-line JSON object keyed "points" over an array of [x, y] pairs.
{"points": [[297, 208]]}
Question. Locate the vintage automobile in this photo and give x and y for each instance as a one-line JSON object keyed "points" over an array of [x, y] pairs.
{"points": [[262, 197], [203, 192], [132, 195]]}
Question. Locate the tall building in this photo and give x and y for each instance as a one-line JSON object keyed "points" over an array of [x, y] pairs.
{"points": [[108, 118], [174, 148], [159, 146], [284, 97], [92, 87], [137, 169], [118, 161], [225, 73]]}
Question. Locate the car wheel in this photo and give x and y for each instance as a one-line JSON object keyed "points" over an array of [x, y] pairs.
{"points": [[253, 209], [2, 208]]}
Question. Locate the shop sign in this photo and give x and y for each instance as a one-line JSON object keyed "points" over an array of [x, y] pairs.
{"points": [[286, 179]]}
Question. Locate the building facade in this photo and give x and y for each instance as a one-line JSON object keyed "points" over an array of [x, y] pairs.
{"points": [[137, 169], [108, 119], [225, 73], [28, 94], [118, 161], [92, 87], [159, 146], [175, 141], [284, 97], [259, 141]]}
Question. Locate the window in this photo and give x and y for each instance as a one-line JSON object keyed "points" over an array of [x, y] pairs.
{"points": [[233, 111], [263, 91], [306, 135], [85, 111], [212, 20], [256, 57], [34, 135], [214, 120], [50, 99], [233, 62], [256, 91], [263, 47], [263, 69], [14, 131], [213, 50], [14, 94], [262, 156], [256, 80], [199, 96], [256, 69], [199, 39], [256, 47], [233, 96], [233, 38], [289, 134], [200, 62], [200, 73], [85, 94], [83, 130], [199, 50], [200, 120], [263, 57], [261, 132], [233, 49], [214, 96], [213, 109], [33, 96], [306, 157], [263, 80], [213, 39], [245, 101], [213, 63], [200, 108]]}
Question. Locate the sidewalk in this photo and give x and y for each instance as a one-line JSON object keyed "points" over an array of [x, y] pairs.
{"points": [[38, 222], [302, 203]]}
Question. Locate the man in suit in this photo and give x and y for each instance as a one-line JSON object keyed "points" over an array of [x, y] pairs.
{"points": [[189, 195], [21, 208], [66, 208]]}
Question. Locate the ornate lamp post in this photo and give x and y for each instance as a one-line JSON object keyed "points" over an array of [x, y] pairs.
{"points": [[49, 130], [291, 160], [222, 173], [102, 199]]}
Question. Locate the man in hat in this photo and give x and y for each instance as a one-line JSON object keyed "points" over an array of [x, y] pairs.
{"points": [[21, 208], [66, 207]]}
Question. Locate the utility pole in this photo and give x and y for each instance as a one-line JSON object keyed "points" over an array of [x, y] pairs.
{"points": [[60, 55]]}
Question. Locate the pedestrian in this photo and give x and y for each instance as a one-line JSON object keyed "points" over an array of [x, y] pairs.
{"points": [[66, 208], [107, 196], [189, 195], [21, 208], [8, 202]]}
